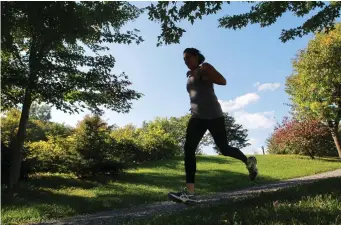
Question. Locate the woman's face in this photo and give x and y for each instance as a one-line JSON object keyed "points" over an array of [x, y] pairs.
{"points": [[191, 60]]}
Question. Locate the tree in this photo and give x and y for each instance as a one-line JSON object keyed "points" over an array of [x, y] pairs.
{"points": [[58, 129], [129, 131], [157, 142], [55, 53], [174, 126], [315, 85], [36, 129], [40, 112], [127, 146], [93, 148], [235, 134], [264, 13], [305, 137]]}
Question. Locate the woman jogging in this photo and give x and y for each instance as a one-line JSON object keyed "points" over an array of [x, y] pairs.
{"points": [[206, 115]]}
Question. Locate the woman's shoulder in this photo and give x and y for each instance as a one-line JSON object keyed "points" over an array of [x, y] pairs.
{"points": [[206, 66]]}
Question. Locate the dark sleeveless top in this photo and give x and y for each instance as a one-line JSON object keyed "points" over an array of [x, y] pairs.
{"points": [[204, 102]]}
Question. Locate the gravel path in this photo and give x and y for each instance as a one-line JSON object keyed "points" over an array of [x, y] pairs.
{"points": [[117, 216]]}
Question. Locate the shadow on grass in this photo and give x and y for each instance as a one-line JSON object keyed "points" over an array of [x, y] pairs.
{"points": [[55, 196], [129, 190], [288, 205], [216, 160], [164, 164], [334, 159], [177, 162], [57, 182], [207, 181], [315, 203]]}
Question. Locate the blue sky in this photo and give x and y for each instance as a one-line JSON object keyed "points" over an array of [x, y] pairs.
{"points": [[253, 60]]}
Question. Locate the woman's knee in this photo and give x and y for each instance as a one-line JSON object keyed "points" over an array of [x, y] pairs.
{"points": [[226, 150]]}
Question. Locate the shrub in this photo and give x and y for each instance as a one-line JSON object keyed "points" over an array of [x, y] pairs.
{"points": [[54, 155], [9, 127], [309, 137], [151, 142], [129, 152], [93, 151], [157, 143], [58, 129], [88, 152]]}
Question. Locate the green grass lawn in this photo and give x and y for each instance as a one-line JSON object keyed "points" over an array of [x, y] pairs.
{"points": [[52, 196], [317, 203]]}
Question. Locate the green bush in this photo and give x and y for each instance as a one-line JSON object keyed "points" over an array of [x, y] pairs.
{"points": [[88, 152], [54, 155], [94, 152], [157, 143], [58, 129], [126, 145], [92, 147], [9, 127], [129, 152], [151, 142]]}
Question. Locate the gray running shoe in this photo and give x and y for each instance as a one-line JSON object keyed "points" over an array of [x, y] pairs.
{"points": [[183, 196]]}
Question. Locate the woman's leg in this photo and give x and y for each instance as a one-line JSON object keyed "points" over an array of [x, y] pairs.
{"points": [[195, 131], [218, 131]]}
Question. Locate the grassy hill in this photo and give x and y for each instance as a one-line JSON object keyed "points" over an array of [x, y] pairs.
{"points": [[49, 196], [315, 203]]}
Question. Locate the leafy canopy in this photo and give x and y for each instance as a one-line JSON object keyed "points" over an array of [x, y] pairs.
{"points": [[315, 85], [57, 53], [265, 13]]}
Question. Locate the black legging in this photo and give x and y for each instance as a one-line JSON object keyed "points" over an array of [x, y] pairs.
{"points": [[195, 131]]}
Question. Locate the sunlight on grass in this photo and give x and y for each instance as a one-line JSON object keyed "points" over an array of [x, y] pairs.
{"points": [[72, 192], [49, 196], [316, 203]]}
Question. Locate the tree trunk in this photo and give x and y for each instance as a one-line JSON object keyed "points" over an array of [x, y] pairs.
{"points": [[311, 154], [19, 141], [337, 140]]}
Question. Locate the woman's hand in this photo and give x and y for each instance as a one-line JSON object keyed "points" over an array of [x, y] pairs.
{"points": [[213, 74]]}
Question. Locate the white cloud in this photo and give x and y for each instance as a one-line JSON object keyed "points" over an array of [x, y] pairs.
{"points": [[260, 120], [239, 102], [267, 86]]}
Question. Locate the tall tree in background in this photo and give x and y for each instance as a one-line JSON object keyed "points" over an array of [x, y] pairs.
{"points": [[315, 86], [40, 112], [264, 13], [176, 127], [235, 133], [43, 59]]}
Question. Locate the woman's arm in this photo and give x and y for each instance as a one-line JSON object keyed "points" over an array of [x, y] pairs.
{"points": [[213, 74]]}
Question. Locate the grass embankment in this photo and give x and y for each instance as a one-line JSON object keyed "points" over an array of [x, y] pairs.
{"points": [[317, 203], [52, 196]]}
